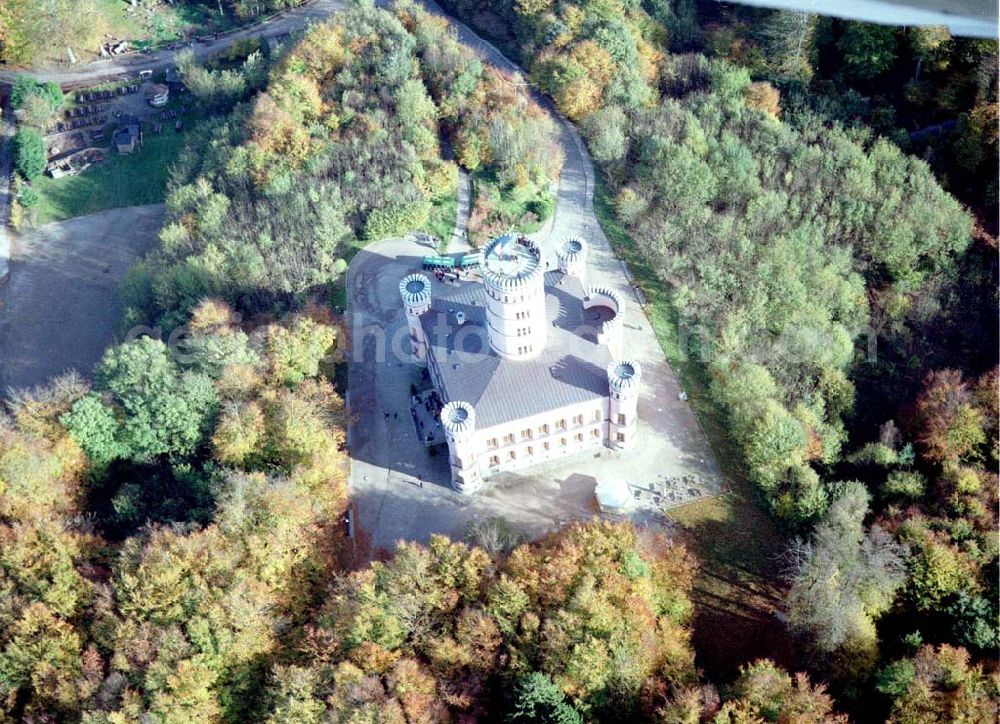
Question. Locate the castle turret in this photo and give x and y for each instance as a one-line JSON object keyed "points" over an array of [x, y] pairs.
{"points": [[623, 383], [514, 280], [572, 258], [603, 309], [459, 422], [415, 290]]}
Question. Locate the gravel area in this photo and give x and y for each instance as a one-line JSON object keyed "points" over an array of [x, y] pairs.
{"points": [[60, 307]]}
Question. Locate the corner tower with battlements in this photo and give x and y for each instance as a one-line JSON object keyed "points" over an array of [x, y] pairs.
{"points": [[572, 257], [623, 383], [526, 361], [458, 419], [415, 290]]}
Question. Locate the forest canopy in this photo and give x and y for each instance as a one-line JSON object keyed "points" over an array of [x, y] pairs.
{"points": [[343, 142], [172, 534], [37, 30], [839, 302]]}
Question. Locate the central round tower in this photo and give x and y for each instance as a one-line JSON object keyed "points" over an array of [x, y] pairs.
{"points": [[514, 278]]}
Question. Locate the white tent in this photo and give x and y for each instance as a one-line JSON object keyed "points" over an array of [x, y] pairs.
{"points": [[613, 495]]}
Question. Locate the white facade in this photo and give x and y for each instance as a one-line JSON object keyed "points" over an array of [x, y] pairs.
{"points": [[541, 438], [561, 432], [514, 281], [513, 308], [415, 290]]}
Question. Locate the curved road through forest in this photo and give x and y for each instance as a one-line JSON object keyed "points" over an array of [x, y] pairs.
{"points": [[84, 73]]}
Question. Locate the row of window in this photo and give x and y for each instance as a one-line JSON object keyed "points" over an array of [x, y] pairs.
{"points": [[544, 430], [525, 350], [522, 315], [503, 297], [546, 446], [523, 331]]}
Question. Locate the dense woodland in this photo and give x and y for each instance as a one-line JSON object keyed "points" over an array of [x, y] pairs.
{"points": [[172, 534], [164, 528], [820, 275], [344, 143]]}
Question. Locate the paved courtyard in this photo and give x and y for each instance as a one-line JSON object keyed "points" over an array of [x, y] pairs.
{"points": [[60, 308]]}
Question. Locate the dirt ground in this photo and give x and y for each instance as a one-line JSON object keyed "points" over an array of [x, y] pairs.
{"points": [[60, 143], [60, 308]]}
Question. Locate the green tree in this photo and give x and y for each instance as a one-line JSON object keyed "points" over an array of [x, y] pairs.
{"points": [[218, 90], [37, 102], [605, 131], [96, 428], [975, 619], [29, 153], [774, 442], [868, 49], [938, 569], [538, 701], [24, 87], [163, 410]]}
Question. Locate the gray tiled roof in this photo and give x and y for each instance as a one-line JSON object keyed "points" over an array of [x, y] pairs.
{"points": [[569, 370]]}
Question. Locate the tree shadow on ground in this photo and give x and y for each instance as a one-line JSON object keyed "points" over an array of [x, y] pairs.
{"points": [[739, 589]]}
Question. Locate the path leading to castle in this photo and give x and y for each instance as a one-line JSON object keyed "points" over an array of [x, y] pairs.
{"points": [[399, 492]]}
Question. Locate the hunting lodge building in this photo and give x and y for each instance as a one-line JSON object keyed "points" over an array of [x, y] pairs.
{"points": [[527, 362]]}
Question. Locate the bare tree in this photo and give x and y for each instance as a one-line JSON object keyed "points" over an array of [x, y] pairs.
{"points": [[845, 577]]}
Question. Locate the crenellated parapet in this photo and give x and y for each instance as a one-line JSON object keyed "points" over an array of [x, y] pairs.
{"points": [[611, 317], [511, 262], [623, 378], [458, 418], [572, 258], [415, 289], [514, 282]]}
